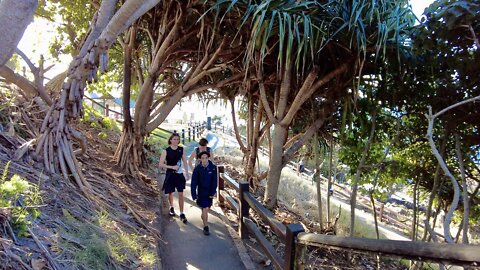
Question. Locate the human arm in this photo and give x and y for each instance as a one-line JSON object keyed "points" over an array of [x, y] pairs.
{"points": [[190, 160], [163, 165], [211, 155], [184, 161], [214, 179], [194, 184]]}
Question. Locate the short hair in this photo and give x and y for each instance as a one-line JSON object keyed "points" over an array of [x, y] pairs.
{"points": [[204, 153], [203, 142], [171, 137]]}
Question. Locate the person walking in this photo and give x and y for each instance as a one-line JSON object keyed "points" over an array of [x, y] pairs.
{"points": [[204, 186], [174, 161], [202, 147], [301, 167]]}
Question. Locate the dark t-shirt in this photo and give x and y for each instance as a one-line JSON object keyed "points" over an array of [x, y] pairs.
{"points": [[173, 156], [197, 152]]}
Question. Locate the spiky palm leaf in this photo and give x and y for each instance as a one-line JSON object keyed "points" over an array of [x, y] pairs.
{"points": [[299, 30]]}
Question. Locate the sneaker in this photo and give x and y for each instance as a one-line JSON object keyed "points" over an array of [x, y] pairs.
{"points": [[206, 231], [183, 218], [171, 212]]}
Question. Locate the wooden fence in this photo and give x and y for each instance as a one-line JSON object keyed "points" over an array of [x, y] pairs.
{"points": [[296, 240]]}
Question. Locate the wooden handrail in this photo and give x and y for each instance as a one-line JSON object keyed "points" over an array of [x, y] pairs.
{"points": [[267, 216], [294, 238], [265, 244], [458, 254], [230, 182]]}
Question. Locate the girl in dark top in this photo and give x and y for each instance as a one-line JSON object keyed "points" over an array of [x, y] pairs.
{"points": [[172, 160], [204, 186], [202, 147]]}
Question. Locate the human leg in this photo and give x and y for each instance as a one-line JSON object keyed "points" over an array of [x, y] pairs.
{"points": [[206, 230], [180, 201], [170, 201], [205, 216]]}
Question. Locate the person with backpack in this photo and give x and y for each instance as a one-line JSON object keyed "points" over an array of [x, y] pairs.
{"points": [[174, 161], [202, 147], [204, 186]]}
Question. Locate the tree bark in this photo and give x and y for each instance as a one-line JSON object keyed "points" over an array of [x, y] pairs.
{"points": [[235, 126], [15, 16], [353, 196], [436, 185], [279, 138], [126, 155], [466, 205], [316, 178], [329, 180]]}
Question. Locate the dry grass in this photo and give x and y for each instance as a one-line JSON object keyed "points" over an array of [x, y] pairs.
{"points": [[299, 195]]}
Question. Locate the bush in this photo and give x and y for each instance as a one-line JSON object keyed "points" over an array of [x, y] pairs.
{"points": [[19, 195]]}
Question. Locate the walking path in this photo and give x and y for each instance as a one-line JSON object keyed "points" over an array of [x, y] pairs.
{"points": [[185, 245]]}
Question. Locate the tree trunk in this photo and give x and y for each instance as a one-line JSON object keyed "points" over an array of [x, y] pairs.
{"points": [[436, 186], [466, 205], [276, 155], [415, 210], [15, 16], [316, 177], [254, 143], [329, 181], [353, 196], [235, 126], [129, 153]]}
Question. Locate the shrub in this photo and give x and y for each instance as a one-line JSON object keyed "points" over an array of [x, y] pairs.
{"points": [[19, 195]]}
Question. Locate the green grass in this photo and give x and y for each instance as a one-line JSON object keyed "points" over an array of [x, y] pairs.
{"points": [[102, 244]]}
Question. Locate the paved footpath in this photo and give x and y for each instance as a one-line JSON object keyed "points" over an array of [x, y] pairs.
{"points": [[186, 247]]}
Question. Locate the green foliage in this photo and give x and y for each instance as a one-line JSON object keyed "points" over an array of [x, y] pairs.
{"points": [[102, 242], [298, 30], [155, 144], [96, 120], [18, 194], [102, 135], [72, 19]]}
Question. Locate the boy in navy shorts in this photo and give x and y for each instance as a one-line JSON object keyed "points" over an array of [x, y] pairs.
{"points": [[204, 186]]}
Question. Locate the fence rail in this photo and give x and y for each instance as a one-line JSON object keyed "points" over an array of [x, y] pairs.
{"points": [[296, 240]]}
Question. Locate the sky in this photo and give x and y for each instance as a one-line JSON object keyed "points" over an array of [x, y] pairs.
{"points": [[38, 33]]}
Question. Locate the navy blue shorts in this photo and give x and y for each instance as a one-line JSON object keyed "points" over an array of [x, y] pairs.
{"points": [[174, 181], [204, 202]]}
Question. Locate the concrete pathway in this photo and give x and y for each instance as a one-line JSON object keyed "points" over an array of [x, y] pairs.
{"points": [[186, 247]]}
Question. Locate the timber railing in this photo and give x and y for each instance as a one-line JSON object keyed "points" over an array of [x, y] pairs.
{"points": [[296, 241], [194, 130]]}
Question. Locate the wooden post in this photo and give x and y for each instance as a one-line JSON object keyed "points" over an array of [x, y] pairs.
{"points": [[382, 205], [183, 136], [244, 209], [220, 186], [106, 110], [292, 231], [300, 259], [189, 134]]}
